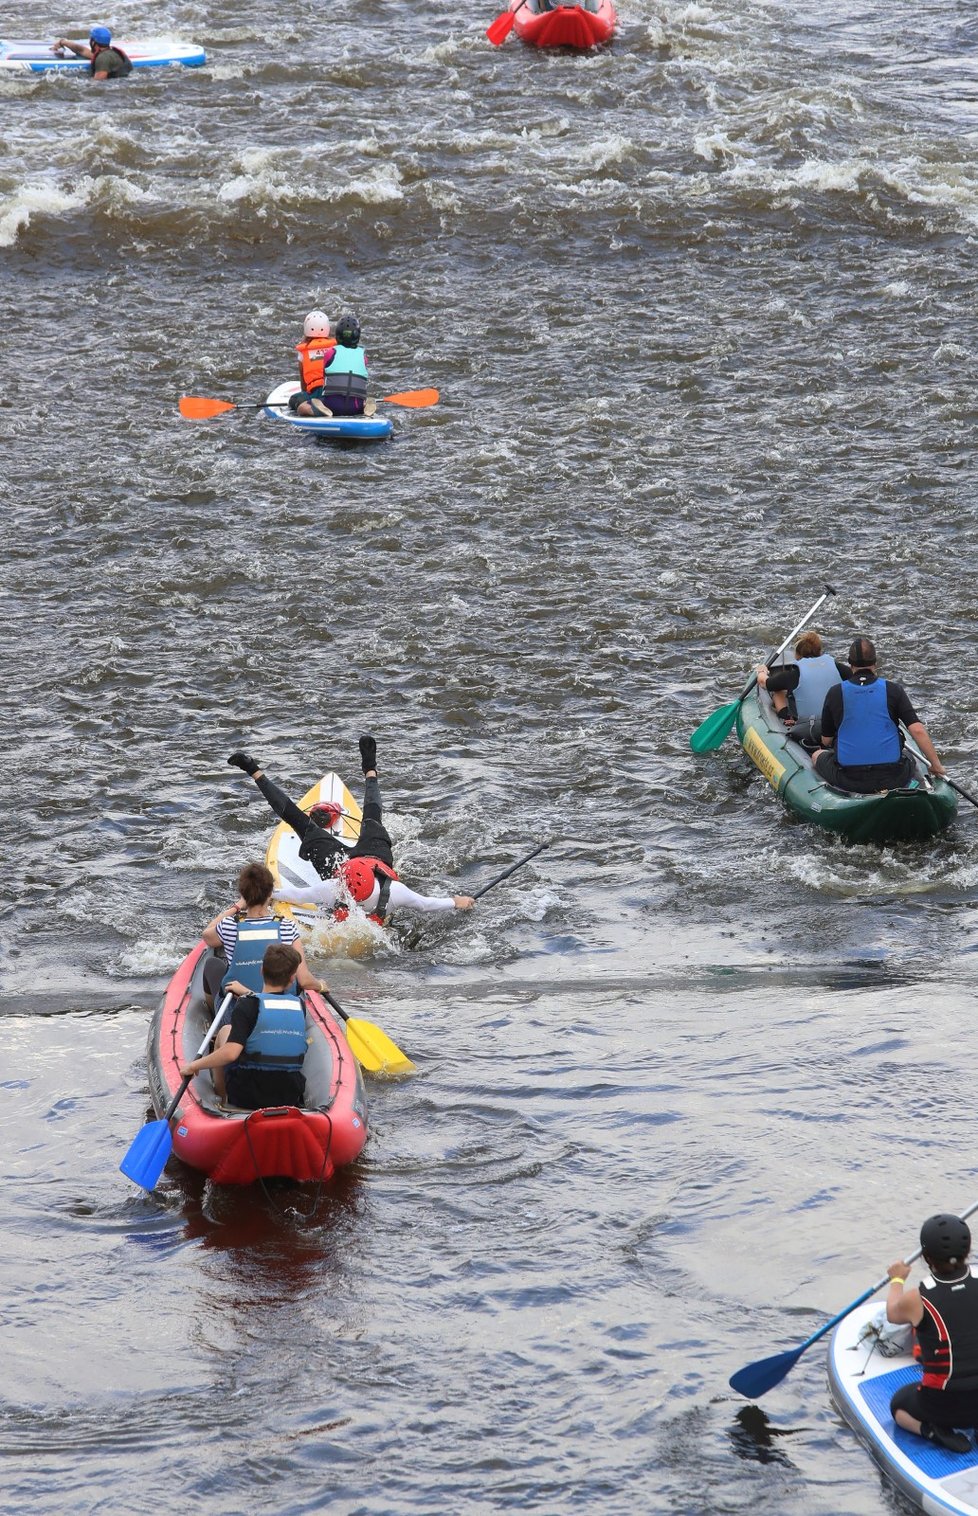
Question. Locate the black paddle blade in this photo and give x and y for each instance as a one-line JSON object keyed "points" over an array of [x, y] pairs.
{"points": [[757, 1378]]}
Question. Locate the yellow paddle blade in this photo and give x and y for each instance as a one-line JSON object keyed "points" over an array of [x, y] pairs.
{"points": [[417, 399], [374, 1049], [200, 407]]}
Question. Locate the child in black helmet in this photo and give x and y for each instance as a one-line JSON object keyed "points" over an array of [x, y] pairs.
{"points": [[344, 391], [944, 1313]]}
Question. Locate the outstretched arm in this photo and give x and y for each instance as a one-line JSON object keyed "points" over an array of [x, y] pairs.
{"points": [[326, 893], [279, 801], [920, 735], [401, 896]]}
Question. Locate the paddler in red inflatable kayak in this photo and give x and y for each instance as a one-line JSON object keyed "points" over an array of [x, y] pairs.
{"points": [[366, 873]]}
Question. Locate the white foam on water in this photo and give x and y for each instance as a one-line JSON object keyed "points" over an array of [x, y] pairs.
{"points": [[35, 199]]}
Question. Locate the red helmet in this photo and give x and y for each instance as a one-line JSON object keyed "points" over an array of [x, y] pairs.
{"points": [[326, 814], [359, 878]]}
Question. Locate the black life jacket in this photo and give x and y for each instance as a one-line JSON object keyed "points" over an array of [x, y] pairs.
{"points": [[948, 1334]]}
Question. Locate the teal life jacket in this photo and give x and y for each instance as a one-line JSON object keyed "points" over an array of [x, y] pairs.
{"points": [[249, 950], [346, 374], [868, 734], [279, 1038]]}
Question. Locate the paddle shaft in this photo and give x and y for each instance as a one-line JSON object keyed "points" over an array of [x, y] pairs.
{"points": [[789, 639], [168, 1113], [868, 1294], [959, 789], [512, 870], [332, 1000]]}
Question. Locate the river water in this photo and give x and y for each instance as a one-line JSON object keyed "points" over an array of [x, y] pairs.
{"points": [[702, 311]]}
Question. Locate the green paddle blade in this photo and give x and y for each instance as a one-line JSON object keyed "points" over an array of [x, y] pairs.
{"points": [[714, 731], [147, 1155]]}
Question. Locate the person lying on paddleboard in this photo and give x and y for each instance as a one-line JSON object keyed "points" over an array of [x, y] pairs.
{"points": [[798, 690], [332, 370], [860, 721], [257, 1057], [366, 870], [108, 61], [244, 932], [944, 1314]]}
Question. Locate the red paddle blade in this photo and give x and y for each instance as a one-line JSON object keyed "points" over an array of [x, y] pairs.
{"points": [[416, 399], [501, 28], [199, 407]]}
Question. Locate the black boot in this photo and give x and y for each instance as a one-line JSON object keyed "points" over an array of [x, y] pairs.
{"points": [[368, 753], [945, 1437]]}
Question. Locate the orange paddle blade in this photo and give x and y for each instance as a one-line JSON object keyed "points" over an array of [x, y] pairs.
{"points": [[417, 399], [501, 28], [199, 407]]}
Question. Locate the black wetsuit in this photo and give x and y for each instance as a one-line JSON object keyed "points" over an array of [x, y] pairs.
{"points": [[323, 850]]}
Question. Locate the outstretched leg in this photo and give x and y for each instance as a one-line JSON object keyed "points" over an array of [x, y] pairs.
{"points": [[374, 840]]}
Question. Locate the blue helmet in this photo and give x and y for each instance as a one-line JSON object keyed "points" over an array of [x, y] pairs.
{"points": [[101, 35]]}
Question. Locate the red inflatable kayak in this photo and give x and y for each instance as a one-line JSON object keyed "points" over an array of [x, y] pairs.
{"points": [[544, 23], [233, 1146]]}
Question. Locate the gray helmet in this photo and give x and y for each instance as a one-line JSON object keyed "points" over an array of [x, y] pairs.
{"points": [[945, 1239]]}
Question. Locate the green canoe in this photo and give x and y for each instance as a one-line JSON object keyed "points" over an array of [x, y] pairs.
{"points": [[909, 815]]}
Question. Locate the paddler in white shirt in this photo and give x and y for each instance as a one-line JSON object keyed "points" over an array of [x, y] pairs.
{"points": [[367, 874]]}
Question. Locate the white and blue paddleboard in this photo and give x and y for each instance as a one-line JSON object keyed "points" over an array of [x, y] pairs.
{"points": [[863, 1382], [40, 57], [352, 428]]}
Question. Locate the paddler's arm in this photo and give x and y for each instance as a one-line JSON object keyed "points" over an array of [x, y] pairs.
{"points": [[325, 893], [79, 49], [403, 898], [903, 1307], [304, 977], [831, 715], [210, 933], [920, 735], [229, 1053]]}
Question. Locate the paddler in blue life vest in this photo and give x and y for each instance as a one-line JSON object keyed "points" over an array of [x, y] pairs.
{"points": [[364, 871], [257, 1059], [798, 690], [944, 1314], [241, 935], [861, 718], [108, 61], [332, 370]]}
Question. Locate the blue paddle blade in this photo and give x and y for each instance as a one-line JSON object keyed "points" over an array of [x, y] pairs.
{"points": [[147, 1155], [757, 1378]]}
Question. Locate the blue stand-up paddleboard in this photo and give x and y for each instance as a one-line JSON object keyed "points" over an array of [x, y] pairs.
{"points": [[351, 428], [40, 58], [863, 1380]]}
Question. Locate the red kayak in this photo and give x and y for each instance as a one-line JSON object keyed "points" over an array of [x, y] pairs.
{"points": [[234, 1146], [546, 24]]}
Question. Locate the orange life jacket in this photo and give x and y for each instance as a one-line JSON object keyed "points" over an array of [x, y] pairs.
{"points": [[313, 352], [383, 873]]}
